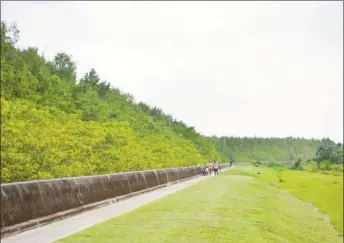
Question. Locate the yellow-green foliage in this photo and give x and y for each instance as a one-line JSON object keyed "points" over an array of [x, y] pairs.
{"points": [[47, 143], [53, 126]]}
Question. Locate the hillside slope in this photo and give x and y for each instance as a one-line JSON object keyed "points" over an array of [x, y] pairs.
{"points": [[265, 149], [54, 126]]}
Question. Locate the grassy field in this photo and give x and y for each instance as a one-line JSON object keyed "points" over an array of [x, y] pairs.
{"points": [[324, 191], [227, 208]]}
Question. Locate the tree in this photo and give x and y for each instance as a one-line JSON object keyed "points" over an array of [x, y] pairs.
{"points": [[16, 80], [329, 150], [37, 65], [299, 162], [63, 67], [91, 78], [9, 34], [103, 89]]}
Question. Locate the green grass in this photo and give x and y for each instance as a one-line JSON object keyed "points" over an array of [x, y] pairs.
{"points": [[232, 208], [324, 191]]}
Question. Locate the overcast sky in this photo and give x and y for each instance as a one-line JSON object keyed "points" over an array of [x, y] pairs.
{"points": [[226, 68]]}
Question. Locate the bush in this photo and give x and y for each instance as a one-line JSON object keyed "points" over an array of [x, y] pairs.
{"points": [[257, 163], [325, 165], [337, 167], [275, 165], [298, 164], [311, 166]]}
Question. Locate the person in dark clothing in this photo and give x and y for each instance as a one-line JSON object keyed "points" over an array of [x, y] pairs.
{"points": [[205, 170], [230, 164]]}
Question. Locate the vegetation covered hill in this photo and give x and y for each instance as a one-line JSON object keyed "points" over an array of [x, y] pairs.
{"points": [[265, 149], [53, 125]]}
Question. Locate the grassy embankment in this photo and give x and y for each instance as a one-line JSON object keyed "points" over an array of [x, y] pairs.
{"points": [[324, 189], [230, 208]]}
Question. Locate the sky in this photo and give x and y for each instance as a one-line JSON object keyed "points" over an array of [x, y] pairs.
{"points": [[265, 69]]}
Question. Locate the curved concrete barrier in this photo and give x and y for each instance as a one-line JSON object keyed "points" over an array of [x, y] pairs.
{"points": [[27, 201], [151, 177], [162, 176], [172, 175]]}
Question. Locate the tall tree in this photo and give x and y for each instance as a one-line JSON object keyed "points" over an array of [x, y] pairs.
{"points": [[91, 78], [63, 67], [329, 150]]}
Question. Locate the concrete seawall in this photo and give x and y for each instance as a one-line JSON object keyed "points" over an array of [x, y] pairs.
{"points": [[32, 201]]}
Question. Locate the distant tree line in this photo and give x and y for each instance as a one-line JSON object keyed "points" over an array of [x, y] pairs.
{"points": [[265, 149]]}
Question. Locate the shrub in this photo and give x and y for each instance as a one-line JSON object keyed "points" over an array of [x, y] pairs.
{"points": [[311, 166], [325, 165]]}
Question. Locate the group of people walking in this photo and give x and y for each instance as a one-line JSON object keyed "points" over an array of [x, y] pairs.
{"points": [[210, 167]]}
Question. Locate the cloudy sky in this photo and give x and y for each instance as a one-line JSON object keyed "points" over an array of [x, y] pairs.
{"points": [[226, 68]]}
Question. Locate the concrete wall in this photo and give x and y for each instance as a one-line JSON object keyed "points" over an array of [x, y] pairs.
{"points": [[24, 201]]}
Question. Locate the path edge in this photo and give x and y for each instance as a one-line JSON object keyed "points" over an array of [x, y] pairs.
{"points": [[31, 224]]}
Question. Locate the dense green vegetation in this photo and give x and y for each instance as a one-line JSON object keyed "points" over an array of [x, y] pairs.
{"points": [[220, 209], [324, 191], [265, 149], [53, 125], [304, 154], [329, 157], [330, 151]]}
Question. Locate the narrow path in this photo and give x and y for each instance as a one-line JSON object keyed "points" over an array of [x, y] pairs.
{"points": [[62, 228]]}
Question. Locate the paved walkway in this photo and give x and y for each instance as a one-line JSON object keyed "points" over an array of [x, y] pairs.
{"points": [[62, 228]]}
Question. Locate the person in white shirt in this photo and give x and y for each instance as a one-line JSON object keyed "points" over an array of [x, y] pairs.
{"points": [[216, 168]]}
